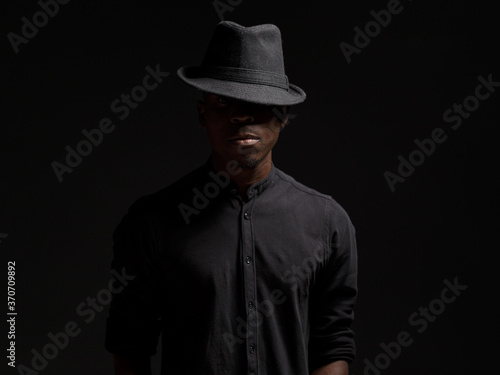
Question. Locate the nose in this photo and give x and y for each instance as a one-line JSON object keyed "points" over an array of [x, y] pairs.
{"points": [[241, 118], [243, 113]]}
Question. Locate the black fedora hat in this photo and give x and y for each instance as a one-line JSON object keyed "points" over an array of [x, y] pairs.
{"points": [[244, 63]]}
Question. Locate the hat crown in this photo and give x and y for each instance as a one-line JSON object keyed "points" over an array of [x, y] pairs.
{"points": [[244, 63], [255, 48]]}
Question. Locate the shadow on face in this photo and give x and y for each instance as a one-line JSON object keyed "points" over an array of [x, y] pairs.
{"points": [[238, 130]]}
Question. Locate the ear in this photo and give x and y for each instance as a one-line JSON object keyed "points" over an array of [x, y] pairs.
{"points": [[201, 112], [283, 118], [284, 121]]}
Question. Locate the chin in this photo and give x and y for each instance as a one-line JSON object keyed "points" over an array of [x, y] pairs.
{"points": [[249, 162]]}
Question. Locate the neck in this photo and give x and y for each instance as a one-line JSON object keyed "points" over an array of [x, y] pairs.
{"points": [[246, 176]]}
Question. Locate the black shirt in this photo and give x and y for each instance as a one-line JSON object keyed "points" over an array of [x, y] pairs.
{"points": [[263, 286]]}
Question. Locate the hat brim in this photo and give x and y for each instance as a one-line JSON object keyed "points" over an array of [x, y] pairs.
{"points": [[249, 92]]}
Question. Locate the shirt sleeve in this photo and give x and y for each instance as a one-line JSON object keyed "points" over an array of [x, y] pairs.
{"points": [[133, 323], [333, 294]]}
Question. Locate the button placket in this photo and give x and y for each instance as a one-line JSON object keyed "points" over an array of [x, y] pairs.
{"points": [[249, 279]]}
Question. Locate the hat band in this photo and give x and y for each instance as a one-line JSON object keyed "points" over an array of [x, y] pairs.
{"points": [[243, 75]]}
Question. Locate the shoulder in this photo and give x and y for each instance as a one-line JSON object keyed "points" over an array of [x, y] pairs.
{"points": [[298, 188], [170, 196], [334, 212]]}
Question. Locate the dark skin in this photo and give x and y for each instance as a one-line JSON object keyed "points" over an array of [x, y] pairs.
{"points": [[226, 119], [246, 133], [131, 366]]}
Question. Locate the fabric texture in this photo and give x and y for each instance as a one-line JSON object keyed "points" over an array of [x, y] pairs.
{"points": [[244, 63], [266, 286]]}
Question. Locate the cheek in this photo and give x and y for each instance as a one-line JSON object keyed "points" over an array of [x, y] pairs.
{"points": [[218, 115], [270, 134], [215, 127], [272, 127]]}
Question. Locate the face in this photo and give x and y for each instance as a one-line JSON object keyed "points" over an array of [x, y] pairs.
{"points": [[241, 131]]}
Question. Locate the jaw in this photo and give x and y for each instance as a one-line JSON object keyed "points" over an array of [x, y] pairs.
{"points": [[246, 157]]}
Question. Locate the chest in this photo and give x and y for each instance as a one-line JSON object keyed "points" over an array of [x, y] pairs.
{"points": [[234, 245]]}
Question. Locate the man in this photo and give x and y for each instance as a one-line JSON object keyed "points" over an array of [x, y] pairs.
{"points": [[242, 269]]}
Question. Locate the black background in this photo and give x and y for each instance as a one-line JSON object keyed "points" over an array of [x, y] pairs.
{"points": [[439, 224]]}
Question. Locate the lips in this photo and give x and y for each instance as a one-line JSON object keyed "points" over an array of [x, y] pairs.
{"points": [[246, 139], [245, 136]]}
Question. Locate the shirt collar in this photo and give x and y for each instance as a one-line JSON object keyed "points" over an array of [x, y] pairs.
{"points": [[255, 189]]}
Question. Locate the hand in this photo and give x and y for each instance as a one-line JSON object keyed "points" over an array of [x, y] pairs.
{"points": [[132, 366], [334, 368]]}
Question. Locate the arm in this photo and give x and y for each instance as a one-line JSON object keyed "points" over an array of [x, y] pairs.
{"points": [[127, 366], [334, 368], [332, 298], [133, 324]]}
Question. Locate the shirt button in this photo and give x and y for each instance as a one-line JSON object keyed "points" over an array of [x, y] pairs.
{"points": [[248, 260], [252, 349], [250, 305], [246, 215]]}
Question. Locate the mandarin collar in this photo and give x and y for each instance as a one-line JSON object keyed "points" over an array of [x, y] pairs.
{"points": [[254, 189]]}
